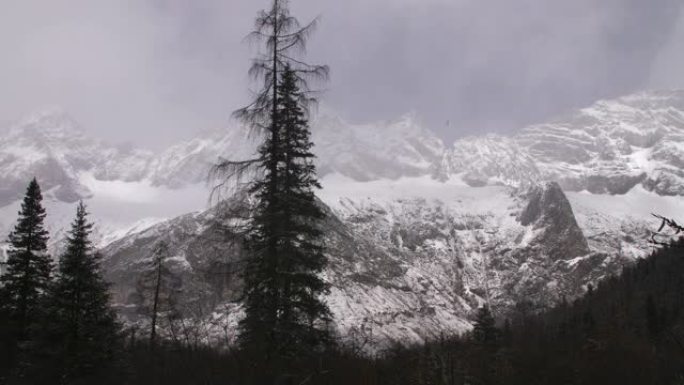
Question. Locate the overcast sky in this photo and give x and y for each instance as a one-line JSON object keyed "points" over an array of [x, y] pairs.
{"points": [[156, 71]]}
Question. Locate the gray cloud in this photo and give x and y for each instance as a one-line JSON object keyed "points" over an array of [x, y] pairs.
{"points": [[668, 70], [156, 70]]}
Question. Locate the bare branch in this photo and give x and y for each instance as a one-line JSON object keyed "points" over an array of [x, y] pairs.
{"points": [[230, 174], [675, 230]]}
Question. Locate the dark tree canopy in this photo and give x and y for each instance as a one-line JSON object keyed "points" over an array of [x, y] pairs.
{"points": [[27, 272], [284, 315], [484, 328], [284, 312], [80, 335]]}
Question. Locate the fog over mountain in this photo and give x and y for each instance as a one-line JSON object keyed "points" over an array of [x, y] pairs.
{"points": [[154, 72], [481, 192]]}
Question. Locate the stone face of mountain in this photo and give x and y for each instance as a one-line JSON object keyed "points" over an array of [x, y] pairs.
{"points": [[491, 160], [408, 269], [201, 250], [607, 148], [51, 146], [419, 234], [361, 152], [390, 150], [549, 212]]}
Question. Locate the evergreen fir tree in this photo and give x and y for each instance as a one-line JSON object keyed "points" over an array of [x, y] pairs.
{"points": [[281, 288], [652, 319], [5, 344], [484, 329], [300, 252], [27, 271], [261, 292], [81, 336]]}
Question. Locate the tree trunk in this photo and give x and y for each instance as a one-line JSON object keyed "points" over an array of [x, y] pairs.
{"points": [[153, 332]]}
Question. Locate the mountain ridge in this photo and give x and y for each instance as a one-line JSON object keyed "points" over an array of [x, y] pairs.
{"points": [[420, 233], [609, 147]]}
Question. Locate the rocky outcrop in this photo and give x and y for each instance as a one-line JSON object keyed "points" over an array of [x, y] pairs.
{"points": [[409, 269], [52, 147], [550, 215], [607, 148], [419, 235]]}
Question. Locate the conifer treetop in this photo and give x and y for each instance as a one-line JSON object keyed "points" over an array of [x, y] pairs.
{"points": [[26, 278], [29, 233], [78, 239], [283, 39]]}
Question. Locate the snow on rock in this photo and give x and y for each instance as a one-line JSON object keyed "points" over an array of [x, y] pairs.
{"points": [[409, 259], [388, 150], [420, 234], [607, 148], [51, 146], [614, 145]]}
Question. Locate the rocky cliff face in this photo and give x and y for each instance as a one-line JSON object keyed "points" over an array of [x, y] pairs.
{"points": [[408, 269], [549, 213], [608, 148], [419, 234], [52, 147]]}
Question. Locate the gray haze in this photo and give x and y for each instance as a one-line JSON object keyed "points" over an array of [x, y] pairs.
{"points": [[155, 71]]}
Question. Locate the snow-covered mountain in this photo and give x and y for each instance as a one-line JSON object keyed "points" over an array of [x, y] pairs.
{"points": [[51, 146], [420, 233], [413, 258], [607, 148]]}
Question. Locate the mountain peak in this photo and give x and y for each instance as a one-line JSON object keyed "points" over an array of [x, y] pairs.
{"points": [[663, 95], [408, 119], [52, 122]]}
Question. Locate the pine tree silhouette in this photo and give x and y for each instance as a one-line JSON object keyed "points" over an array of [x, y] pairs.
{"points": [[484, 329], [281, 292], [300, 250], [27, 273], [81, 335]]}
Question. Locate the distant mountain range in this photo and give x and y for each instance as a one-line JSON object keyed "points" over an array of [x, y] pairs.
{"points": [[420, 233]]}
